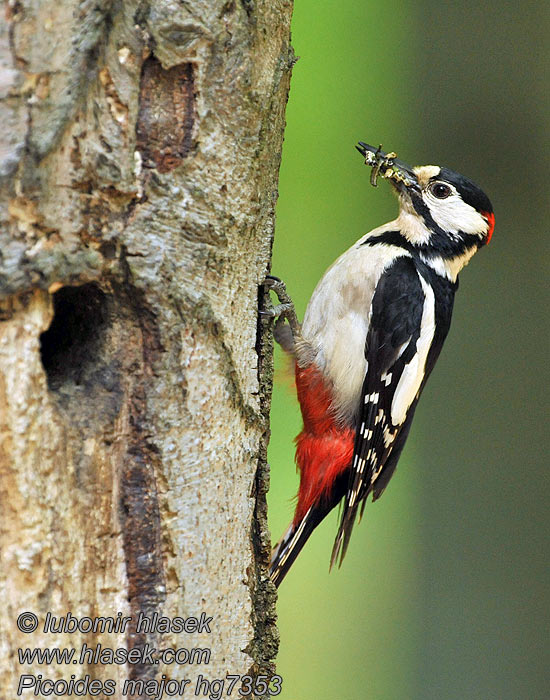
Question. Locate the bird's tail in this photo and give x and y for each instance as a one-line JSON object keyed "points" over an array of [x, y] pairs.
{"points": [[289, 546]]}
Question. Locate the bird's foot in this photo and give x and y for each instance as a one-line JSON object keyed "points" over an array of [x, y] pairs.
{"points": [[285, 335]]}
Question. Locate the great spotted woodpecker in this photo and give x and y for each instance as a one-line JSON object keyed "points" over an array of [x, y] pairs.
{"points": [[371, 335]]}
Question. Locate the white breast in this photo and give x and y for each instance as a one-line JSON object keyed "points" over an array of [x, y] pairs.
{"points": [[337, 318]]}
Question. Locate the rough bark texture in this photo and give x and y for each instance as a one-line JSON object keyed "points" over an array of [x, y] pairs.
{"points": [[139, 155]]}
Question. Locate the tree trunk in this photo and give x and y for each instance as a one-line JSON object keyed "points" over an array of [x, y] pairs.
{"points": [[139, 156]]}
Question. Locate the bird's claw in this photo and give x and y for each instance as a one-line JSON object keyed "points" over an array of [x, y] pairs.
{"points": [[282, 311]]}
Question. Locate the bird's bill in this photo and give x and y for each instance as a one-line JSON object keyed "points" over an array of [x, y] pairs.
{"points": [[388, 166]]}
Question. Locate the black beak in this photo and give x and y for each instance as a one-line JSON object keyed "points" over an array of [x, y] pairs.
{"points": [[388, 166]]}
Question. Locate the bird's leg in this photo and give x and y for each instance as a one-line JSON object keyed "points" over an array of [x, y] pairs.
{"points": [[284, 310]]}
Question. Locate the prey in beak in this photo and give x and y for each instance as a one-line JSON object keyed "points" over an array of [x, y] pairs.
{"points": [[388, 166]]}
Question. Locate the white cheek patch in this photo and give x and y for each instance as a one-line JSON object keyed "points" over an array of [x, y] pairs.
{"points": [[453, 214]]}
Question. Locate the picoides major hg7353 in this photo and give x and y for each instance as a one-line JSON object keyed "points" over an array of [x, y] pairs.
{"points": [[371, 334]]}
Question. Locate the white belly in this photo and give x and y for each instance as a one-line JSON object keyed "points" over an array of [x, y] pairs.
{"points": [[337, 318]]}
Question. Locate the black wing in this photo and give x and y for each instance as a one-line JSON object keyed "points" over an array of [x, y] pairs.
{"points": [[400, 336]]}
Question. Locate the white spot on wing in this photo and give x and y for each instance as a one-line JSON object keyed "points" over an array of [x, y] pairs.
{"points": [[353, 496], [389, 437], [411, 379]]}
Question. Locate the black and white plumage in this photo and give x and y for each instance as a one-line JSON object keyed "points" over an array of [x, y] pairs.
{"points": [[403, 343], [371, 335]]}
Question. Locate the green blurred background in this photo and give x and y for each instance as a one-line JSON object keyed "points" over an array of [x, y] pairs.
{"points": [[444, 591]]}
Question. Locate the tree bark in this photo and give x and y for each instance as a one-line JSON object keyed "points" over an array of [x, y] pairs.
{"points": [[139, 156]]}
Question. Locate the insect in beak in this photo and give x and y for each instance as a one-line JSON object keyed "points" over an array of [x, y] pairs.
{"points": [[387, 166]]}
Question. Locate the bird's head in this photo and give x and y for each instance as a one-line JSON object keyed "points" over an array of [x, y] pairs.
{"points": [[441, 212]]}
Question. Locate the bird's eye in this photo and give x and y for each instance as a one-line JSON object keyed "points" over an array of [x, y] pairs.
{"points": [[440, 190]]}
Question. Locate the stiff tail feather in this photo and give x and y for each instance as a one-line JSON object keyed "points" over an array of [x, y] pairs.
{"points": [[289, 546], [344, 533]]}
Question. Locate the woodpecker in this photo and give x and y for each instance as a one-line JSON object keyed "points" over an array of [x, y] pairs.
{"points": [[371, 334]]}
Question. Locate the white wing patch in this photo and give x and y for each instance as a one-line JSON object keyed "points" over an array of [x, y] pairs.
{"points": [[413, 373]]}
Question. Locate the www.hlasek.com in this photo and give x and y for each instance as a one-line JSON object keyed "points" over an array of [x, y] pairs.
{"points": [[143, 656]]}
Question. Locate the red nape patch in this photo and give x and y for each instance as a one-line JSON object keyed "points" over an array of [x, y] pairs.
{"points": [[491, 221], [323, 449]]}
